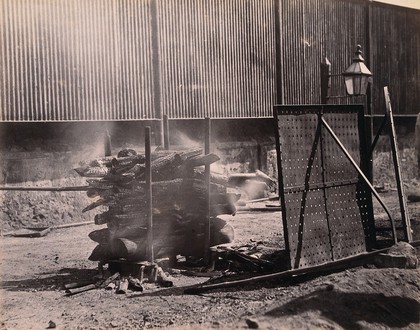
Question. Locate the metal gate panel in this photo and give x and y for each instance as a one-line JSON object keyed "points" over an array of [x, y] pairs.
{"points": [[327, 210], [315, 245]]}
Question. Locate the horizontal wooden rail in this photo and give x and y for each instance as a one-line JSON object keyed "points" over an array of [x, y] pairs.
{"points": [[22, 188]]}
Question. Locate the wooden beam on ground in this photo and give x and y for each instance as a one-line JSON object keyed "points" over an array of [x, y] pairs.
{"points": [[349, 262]]}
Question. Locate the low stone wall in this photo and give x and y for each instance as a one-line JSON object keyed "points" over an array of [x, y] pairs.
{"points": [[18, 167], [245, 157]]}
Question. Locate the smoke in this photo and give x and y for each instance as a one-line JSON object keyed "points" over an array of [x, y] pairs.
{"points": [[87, 140], [182, 139]]}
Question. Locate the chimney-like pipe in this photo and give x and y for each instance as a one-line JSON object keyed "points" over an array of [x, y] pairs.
{"points": [[150, 252], [207, 138], [107, 144]]}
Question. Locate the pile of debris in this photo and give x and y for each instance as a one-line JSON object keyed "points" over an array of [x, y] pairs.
{"points": [[121, 283], [179, 199]]}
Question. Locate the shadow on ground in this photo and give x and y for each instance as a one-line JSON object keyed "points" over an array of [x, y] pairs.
{"points": [[347, 309], [51, 281]]}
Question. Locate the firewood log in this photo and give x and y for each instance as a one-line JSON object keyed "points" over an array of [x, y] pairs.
{"points": [[105, 161], [187, 154], [124, 178], [130, 208], [102, 252], [164, 279], [130, 231], [135, 284], [101, 236], [85, 288], [137, 169], [102, 218], [199, 208], [122, 286], [201, 160], [128, 249], [214, 177], [161, 162], [97, 285], [100, 202], [100, 184], [164, 168], [218, 209], [87, 171], [122, 169], [130, 160], [103, 193], [224, 198]]}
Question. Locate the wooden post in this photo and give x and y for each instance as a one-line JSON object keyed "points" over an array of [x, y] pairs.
{"points": [[157, 132], [405, 218], [259, 157], [165, 132], [369, 60], [207, 138], [150, 253], [325, 80], [107, 144]]}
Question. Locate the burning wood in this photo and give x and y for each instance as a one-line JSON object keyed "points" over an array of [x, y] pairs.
{"points": [[179, 204]]}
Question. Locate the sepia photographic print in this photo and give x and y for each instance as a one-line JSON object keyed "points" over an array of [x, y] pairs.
{"points": [[209, 164]]}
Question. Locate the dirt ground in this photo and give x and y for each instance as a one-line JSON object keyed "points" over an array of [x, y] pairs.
{"points": [[34, 270]]}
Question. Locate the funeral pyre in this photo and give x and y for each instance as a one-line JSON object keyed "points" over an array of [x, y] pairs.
{"points": [[179, 198]]}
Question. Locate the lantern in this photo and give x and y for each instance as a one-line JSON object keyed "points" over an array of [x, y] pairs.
{"points": [[357, 76]]}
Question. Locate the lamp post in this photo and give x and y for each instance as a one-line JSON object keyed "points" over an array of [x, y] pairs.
{"points": [[356, 79], [357, 76]]}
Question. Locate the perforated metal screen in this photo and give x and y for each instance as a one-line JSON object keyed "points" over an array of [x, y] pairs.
{"points": [[326, 207]]}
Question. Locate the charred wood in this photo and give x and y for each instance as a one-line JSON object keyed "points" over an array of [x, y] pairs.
{"points": [[122, 286], [102, 218], [101, 236], [100, 202], [102, 252], [163, 279], [214, 177], [87, 171], [201, 160], [100, 162]]}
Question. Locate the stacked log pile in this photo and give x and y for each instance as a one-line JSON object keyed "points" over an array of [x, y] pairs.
{"points": [[179, 204]]}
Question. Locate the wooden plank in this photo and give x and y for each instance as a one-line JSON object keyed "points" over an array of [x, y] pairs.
{"points": [[31, 232], [405, 218]]}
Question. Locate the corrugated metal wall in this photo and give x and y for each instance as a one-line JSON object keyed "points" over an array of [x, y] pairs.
{"points": [[396, 58], [135, 59], [217, 58], [138, 59], [312, 30], [75, 60], [389, 36]]}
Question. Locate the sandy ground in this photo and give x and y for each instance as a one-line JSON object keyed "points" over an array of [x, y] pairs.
{"points": [[34, 270]]}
